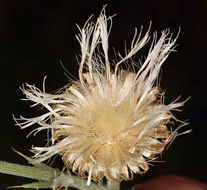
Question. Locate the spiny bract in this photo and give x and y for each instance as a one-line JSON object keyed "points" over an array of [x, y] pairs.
{"points": [[111, 122]]}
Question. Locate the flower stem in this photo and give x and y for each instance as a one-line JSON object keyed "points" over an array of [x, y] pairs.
{"points": [[113, 185]]}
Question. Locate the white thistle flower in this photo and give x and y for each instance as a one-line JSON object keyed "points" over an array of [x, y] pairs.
{"points": [[110, 123]]}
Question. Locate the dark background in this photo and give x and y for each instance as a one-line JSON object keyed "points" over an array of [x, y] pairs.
{"points": [[36, 34]]}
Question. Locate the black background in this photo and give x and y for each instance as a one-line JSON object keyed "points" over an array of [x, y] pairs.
{"points": [[36, 34]]}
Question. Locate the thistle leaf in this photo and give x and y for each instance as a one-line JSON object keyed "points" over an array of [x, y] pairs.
{"points": [[34, 162], [28, 171]]}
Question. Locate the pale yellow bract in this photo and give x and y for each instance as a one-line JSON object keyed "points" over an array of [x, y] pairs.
{"points": [[112, 122]]}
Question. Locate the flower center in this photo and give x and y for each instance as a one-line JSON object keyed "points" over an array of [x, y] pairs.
{"points": [[109, 121]]}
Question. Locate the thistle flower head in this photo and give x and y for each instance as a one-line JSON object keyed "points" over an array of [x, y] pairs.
{"points": [[111, 122]]}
